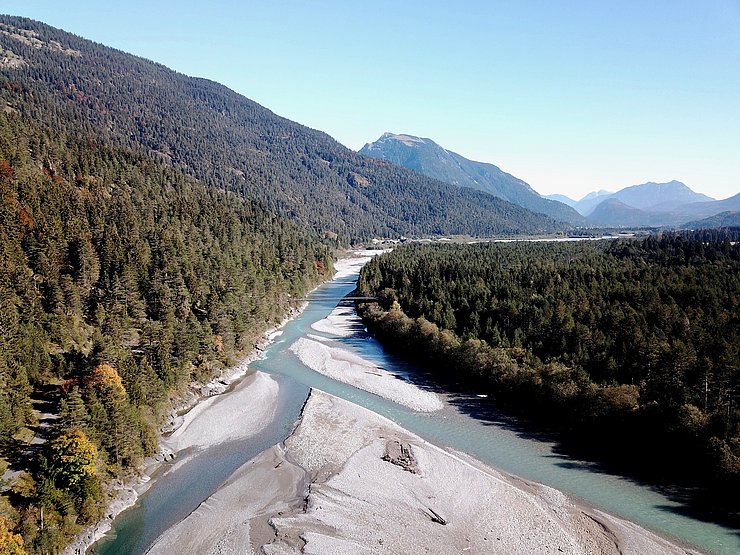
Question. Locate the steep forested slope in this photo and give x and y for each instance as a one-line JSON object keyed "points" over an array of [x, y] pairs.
{"points": [[233, 143], [122, 279], [630, 347]]}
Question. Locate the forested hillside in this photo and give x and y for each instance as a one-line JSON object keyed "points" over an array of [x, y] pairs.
{"points": [[122, 279], [630, 348], [230, 142]]}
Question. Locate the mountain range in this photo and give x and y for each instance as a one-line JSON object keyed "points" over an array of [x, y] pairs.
{"points": [[427, 157], [670, 204], [651, 204], [229, 142], [661, 197]]}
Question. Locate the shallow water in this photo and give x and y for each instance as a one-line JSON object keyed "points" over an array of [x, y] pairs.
{"points": [[174, 495], [177, 494]]}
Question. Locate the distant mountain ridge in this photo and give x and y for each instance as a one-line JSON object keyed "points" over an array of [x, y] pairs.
{"points": [[614, 212], [659, 196], [668, 204], [561, 198], [427, 157], [586, 205]]}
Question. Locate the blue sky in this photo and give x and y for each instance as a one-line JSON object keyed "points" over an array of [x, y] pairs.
{"points": [[571, 96]]}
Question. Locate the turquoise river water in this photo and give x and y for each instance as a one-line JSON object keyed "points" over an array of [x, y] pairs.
{"points": [[174, 495]]}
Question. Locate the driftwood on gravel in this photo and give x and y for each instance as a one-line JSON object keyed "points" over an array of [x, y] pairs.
{"points": [[435, 517]]}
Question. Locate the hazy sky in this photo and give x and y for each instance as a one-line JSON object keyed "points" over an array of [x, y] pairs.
{"points": [[570, 96]]}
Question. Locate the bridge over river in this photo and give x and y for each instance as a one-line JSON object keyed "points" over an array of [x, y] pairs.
{"points": [[337, 299]]}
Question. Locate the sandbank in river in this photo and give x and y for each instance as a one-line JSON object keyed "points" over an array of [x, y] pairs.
{"points": [[349, 481]]}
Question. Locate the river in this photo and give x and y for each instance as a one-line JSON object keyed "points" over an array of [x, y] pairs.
{"points": [[176, 494]]}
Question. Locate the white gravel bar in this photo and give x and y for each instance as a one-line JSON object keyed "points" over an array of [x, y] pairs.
{"points": [[349, 482], [346, 367]]}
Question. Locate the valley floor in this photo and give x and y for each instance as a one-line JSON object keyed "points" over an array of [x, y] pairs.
{"points": [[349, 481]]}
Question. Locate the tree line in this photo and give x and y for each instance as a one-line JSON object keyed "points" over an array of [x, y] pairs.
{"points": [[629, 348]]}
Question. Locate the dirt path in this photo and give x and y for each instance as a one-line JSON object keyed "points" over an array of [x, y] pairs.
{"points": [[45, 409]]}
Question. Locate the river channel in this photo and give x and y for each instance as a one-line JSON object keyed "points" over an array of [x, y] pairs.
{"points": [[175, 494]]}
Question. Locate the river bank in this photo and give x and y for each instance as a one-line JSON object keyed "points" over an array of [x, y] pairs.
{"points": [[349, 481], [182, 430]]}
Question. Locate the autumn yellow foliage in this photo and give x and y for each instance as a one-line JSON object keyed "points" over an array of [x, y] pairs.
{"points": [[105, 376], [74, 457], [10, 543]]}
